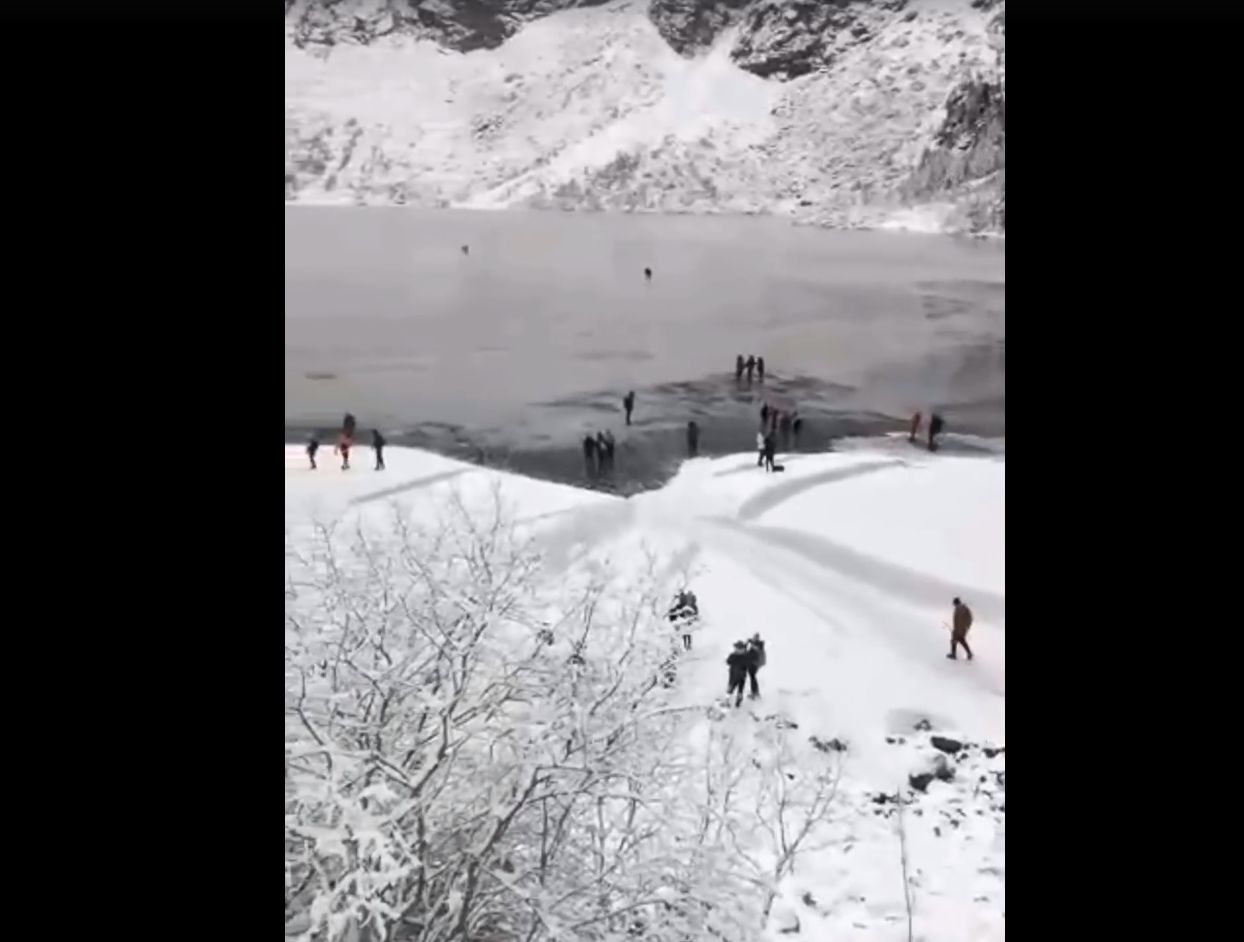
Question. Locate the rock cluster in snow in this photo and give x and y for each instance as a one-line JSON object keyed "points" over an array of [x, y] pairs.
{"points": [[839, 112]]}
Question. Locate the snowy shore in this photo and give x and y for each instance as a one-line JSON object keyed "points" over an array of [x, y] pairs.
{"points": [[846, 564]]}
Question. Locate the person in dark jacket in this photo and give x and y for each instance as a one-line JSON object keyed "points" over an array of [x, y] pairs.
{"points": [[770, 451], [377, 444], [750, 365], [737, 663], [764, 415], [647, 274], [693, 439], [610, 446], [960, 623], [312, 447], [589, 455], [936, 424], [915, 428], [738, 368], [796, 426], [602, 453], [628, 403], [760, 368], [755, 661], [348, 425]]}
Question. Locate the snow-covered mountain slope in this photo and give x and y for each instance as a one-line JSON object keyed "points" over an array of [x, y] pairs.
{"points": [[851, 113], [845, 564]]}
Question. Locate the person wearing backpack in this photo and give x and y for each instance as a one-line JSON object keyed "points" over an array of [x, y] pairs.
{"points": [[755, 661]]}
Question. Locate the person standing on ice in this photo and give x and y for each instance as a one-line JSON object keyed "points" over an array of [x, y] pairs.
{"points": [[589, 455], [693, 439], [343, 448], [770, 451], [610, 446], [312, 447], [628, 403], [750, 365], [755, 661], [915, 428], [348, 425], [760, 368], [960, 623], [377, 444], [737, 663], [738, 368], [935, 429]]}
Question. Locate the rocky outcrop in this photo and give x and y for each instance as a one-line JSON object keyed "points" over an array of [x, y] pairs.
{"points": [[461, 25], [787, 38], [968, 158], [691, 25]]}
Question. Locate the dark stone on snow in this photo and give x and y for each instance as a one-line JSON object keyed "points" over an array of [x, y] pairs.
{"points": [[920, 782], [891, 740], [691, 25], [942, 769], [990, 751], [880, 798], [923, 726], [808, 900], [948, 746], [937, 832]]}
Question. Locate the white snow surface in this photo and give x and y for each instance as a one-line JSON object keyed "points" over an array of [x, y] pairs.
{"points": [[591, 109], [846, 565]]}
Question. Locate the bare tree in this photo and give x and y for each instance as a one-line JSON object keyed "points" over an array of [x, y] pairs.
{"points": [[473, 752]]}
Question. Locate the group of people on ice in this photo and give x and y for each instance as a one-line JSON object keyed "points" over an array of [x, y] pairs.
{"points": [[345, 442], [751, 364], [598, 451]]}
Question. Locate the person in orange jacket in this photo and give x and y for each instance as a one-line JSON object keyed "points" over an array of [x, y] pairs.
{"points": [[960, 624]]}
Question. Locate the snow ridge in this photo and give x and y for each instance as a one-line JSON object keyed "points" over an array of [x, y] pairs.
{"points": [[867, 114]]}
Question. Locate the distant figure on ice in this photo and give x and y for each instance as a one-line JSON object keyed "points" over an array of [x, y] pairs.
{"points": [[764, 415], [935, 429], [760, 368], [737, 664], [738, 368], [347, 425], [589, 455], [647, 274], [770, 451], [755, 661], [377, 444], [344, 442], [693, 439], [312, 447], [796, 426], [750, 365], [606, 455], [915, 427], [628, 403], [961, 622], [466, 250], [760, 448]]}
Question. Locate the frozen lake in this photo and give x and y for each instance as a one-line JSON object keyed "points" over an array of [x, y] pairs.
{"points": [[531, 339]]}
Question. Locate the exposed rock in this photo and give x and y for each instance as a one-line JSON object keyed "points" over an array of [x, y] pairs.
{"points": [[942, 769], [948, 746], [691, 25], [788, 38], [923, 726], [808, 900], [991, 751], [921, 781]]}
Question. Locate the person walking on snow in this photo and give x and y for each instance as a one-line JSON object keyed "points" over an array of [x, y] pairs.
{"points": [[628, 403], [755, 661], [377, 444], [313, 446], [343, 447], [961, 622], [737, 663]]}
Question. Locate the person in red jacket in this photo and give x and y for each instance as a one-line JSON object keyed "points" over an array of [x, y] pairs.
{"points": [[343, 448]]}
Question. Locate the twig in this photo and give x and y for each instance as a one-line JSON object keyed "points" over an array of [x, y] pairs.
{"points": [[902, 843]]}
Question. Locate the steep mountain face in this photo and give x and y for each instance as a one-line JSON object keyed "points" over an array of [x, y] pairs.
{"points": [[841, 112]]}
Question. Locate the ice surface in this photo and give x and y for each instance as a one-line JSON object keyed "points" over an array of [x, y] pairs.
{"points": [[845, 564]]}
